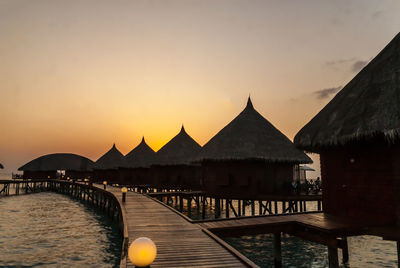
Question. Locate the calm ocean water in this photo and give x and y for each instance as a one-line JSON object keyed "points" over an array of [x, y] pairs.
{"points": [[52, 230]]}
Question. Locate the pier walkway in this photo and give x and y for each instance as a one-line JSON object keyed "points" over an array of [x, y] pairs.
{"points": [[179, 242]]}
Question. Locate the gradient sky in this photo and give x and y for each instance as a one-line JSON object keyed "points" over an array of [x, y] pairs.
{"points": [[77, 76]]}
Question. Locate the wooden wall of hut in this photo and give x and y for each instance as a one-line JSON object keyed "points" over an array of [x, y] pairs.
{"points": [[39, 175], [246, 179], [78, 175], [362, 183], [135, 176], [112, 176], [186, 177]]}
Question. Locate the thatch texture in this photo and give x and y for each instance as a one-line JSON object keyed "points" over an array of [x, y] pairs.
{"points": [[251, 137], [141, 156], [180, 150], [110, 160], [59, 161], [366, 108], [1, 166]]}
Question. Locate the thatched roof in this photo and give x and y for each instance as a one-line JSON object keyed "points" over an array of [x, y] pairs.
{"points": [[59, 161], [141, 156], [180, 150], [366, 108], [110, 160], [251, 137], [1, 166]]}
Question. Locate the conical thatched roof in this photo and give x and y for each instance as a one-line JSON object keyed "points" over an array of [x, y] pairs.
{"points": [[141, 156], [110, 160], [251, 137], [1, 166], [367, 107], [180, 150], [59, 161]]}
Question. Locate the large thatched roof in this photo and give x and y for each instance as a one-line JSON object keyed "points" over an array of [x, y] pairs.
{"points": [[141, 156], [110, 160], [251, 137], [59, 161], [180, 150], [1, 166], [367, 107]]}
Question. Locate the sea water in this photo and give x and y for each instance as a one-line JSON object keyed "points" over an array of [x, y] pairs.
{"points": [[52, 230]]}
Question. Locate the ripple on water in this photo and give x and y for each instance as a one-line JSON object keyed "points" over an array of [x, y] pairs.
{"points": [[364, 251], [52, 230]]}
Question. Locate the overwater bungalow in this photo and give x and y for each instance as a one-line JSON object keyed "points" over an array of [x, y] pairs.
{"points": [[357, 135], [106, 167], [58, 165], [174, 166], [136, 167], [249, 158]]}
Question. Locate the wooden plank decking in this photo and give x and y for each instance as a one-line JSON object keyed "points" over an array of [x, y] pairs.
{"points": [[179, 242]]}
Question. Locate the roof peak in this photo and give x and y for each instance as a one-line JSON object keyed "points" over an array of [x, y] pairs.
{"points": [[183, 129], [249, 104]]}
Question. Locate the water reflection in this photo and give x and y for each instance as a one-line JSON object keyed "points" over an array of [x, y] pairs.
{"points": [[52, 230]]}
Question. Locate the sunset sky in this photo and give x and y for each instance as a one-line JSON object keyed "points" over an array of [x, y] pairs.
{"points": [[77, 76]]}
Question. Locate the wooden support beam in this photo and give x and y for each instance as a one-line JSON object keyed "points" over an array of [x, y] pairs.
{"points": [[333, 257], [253, 212], [276, 207], [345, 250], [227, 208], [398, 254], [217, 211], [277, 250], [203, 208]]}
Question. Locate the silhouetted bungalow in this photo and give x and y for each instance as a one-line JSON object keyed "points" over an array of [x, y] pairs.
{"points": [[136, 168], [174, 166], [357, 136], [47, 166], [106, 167], [249, 158]]}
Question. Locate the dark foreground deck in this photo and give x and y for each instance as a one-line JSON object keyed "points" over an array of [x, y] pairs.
{"points": [[179, 242]]}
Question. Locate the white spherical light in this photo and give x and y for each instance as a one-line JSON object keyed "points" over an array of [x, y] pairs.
{"points": [[142, 252]]}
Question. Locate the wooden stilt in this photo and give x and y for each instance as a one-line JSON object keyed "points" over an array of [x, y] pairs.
{"points": [[203, 208], [398, 254], [253, 208], [217, 211], [333, 257], [259, 207], [277, 250], [276, 207], [239, 208], [345, 250], [227, 208]]}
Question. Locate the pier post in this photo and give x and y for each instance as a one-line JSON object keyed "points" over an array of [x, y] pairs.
{"points": [[217, 208], [239, 208], [345, 250], [253, 212], [203, 208], [276, 207], [277, 250], [180, 203], [227, 208], [244, 208], [283, 206], [189, 205], [333, 257], [319, 205], [398, 254], [259, 207]]}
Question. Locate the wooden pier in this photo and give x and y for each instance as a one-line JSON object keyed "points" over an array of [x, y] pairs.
{"points": [[183, 242]]}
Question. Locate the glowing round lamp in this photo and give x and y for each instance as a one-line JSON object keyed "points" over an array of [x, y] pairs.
{"points": [[48, 177], [86, 180], [142, 252], [124, 189], [105, 182]]}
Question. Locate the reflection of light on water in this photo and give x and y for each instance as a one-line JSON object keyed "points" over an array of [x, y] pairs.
{"points": [[364, 251], [54, 230]]}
